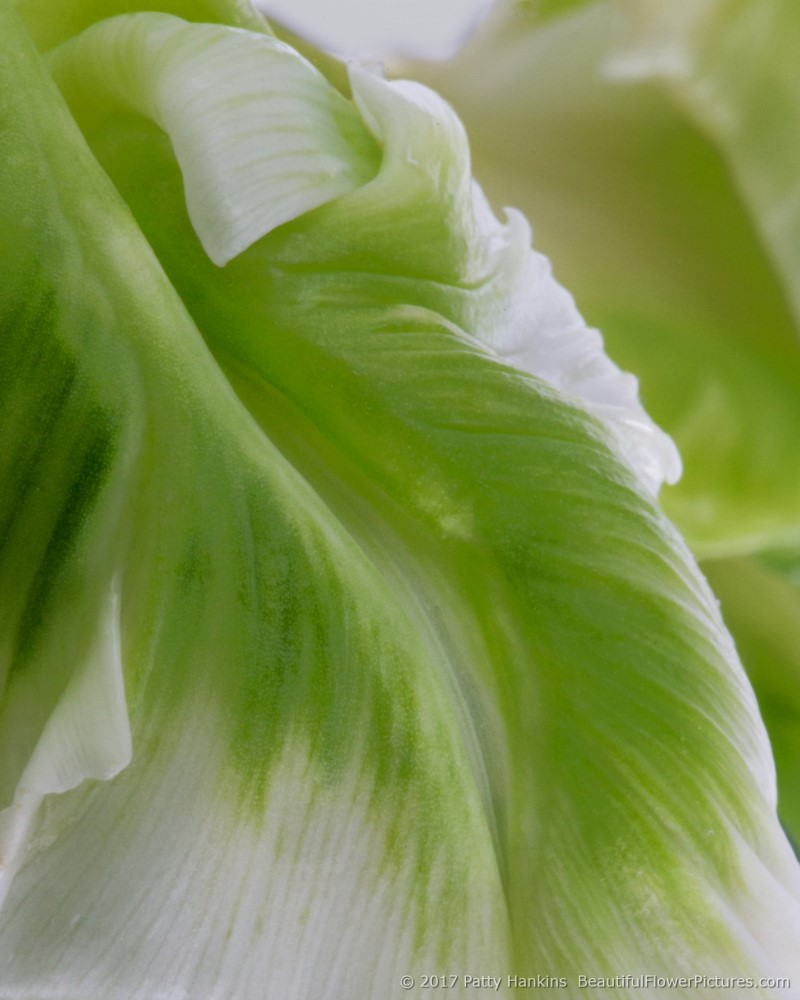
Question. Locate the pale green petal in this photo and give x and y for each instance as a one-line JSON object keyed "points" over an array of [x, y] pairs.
{"points": [[643, 222], [733, 65], [417, 675]]}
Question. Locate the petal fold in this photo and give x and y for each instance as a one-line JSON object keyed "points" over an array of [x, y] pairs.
{"points": [[260, 134]]}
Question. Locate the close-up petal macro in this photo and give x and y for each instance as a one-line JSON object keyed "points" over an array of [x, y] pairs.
{"points": [[353, 639]]}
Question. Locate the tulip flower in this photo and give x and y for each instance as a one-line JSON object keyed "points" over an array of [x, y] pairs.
{"points": [[347, 651], [652, 146]]}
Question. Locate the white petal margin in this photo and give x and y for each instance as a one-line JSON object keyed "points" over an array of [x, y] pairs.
{"points": [[302, 906], [87, 736], [260, 135], [528, 320]]}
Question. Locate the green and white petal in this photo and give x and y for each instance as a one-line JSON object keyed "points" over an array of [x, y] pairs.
{"points": [[643, 222], [523, 315], [277, 140], [243, 181], [359, 338], [288, 715]]}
